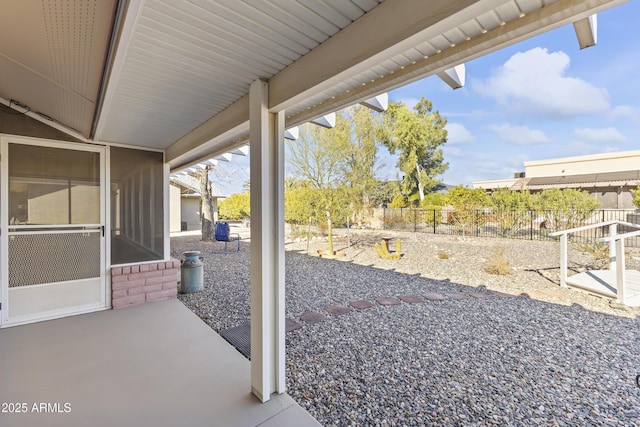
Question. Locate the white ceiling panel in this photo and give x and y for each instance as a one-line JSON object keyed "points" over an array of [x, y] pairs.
{"points": [[202, 55], [52, 55]]}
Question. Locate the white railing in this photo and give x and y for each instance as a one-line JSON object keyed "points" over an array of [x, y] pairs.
{"points": [[616, 246]]}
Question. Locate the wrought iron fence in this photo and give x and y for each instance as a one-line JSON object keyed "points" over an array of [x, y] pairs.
{"points": [[530, 225]]}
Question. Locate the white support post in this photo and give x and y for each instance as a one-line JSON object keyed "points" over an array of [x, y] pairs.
{"points": [[267, 245], [563, 260], [613, 232], [620, 271]]}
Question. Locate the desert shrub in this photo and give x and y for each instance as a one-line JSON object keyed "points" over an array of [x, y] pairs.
{"points": [[599, 252], [566, 208], [512, 209], [433, 213], [399, 202], [468, 204], [497, 264], [235, 207]]}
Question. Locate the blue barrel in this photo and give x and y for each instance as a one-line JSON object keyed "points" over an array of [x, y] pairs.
{"points": [[191, 272]]}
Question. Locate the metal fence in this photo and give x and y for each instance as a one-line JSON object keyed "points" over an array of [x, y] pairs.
{"points": [[530, 225]]}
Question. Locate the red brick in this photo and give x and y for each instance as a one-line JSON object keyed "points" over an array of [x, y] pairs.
{"points": [[119, 279], [116, 271], [171, 272], [170, 285], [168, 264], [153, 267], [137, 290], [144, 268], [176, 263], [169, 279], [127, 285], [118, 286], [135, 269], [153, 288], [126, 270], [128, 301], [153, 280], [147, 274], [120, 293], [160, 295], [162, 266]]}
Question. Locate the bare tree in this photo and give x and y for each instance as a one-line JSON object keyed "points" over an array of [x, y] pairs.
{"points": [[208, 209]]}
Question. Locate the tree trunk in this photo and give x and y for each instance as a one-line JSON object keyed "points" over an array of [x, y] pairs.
{"points": [[329, 232], [420, 186], [208, 211]]}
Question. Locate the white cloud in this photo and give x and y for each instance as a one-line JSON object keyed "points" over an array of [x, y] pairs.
{"points": [[630, 112], [534, 83], [458, 134], [453, 151], [608, 135], [520, 135]]}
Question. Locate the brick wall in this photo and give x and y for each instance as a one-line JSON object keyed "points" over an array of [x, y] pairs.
{"points": [[139, 284]]}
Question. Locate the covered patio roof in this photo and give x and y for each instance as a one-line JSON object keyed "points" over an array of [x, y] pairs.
{"points": [[175, 75]]}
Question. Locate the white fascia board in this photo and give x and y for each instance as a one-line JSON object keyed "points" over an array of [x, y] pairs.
{"points": [[378, 103], [454, 77], [327, 121], [292, 133], [587, 31]]}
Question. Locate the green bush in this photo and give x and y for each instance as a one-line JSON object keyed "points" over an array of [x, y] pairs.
{"points": [[235, 207], [399, 202], [433, 214]]}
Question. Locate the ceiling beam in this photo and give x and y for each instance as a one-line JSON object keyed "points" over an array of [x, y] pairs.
{"points": [[377, 103], [214, 137], [125, 27], [454, 76], [587, 31]]}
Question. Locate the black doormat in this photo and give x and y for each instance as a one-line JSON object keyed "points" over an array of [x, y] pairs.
{"points": [[239, 337]]}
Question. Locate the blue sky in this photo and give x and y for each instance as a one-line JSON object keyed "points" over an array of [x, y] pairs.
{"points": [[539, 99]]}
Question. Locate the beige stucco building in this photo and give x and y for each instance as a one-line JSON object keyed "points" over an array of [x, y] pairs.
{"points": [[609, 177], [185, 206]]}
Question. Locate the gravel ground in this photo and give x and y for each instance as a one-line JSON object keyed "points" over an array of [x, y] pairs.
{"points": [[547, 356]]}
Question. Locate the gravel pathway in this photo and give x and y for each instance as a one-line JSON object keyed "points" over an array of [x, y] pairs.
{"points": [[548, 356]]}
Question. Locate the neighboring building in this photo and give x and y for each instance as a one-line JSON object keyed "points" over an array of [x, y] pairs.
{"points": [[185, 203], [610, 177]]}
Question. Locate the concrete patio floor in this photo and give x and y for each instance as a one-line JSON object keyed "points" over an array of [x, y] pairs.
{"points": [[151, 365]]}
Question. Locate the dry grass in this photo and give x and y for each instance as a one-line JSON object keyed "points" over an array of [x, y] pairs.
{"points": [[497, 264], [443, 255], [599, 252]]}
